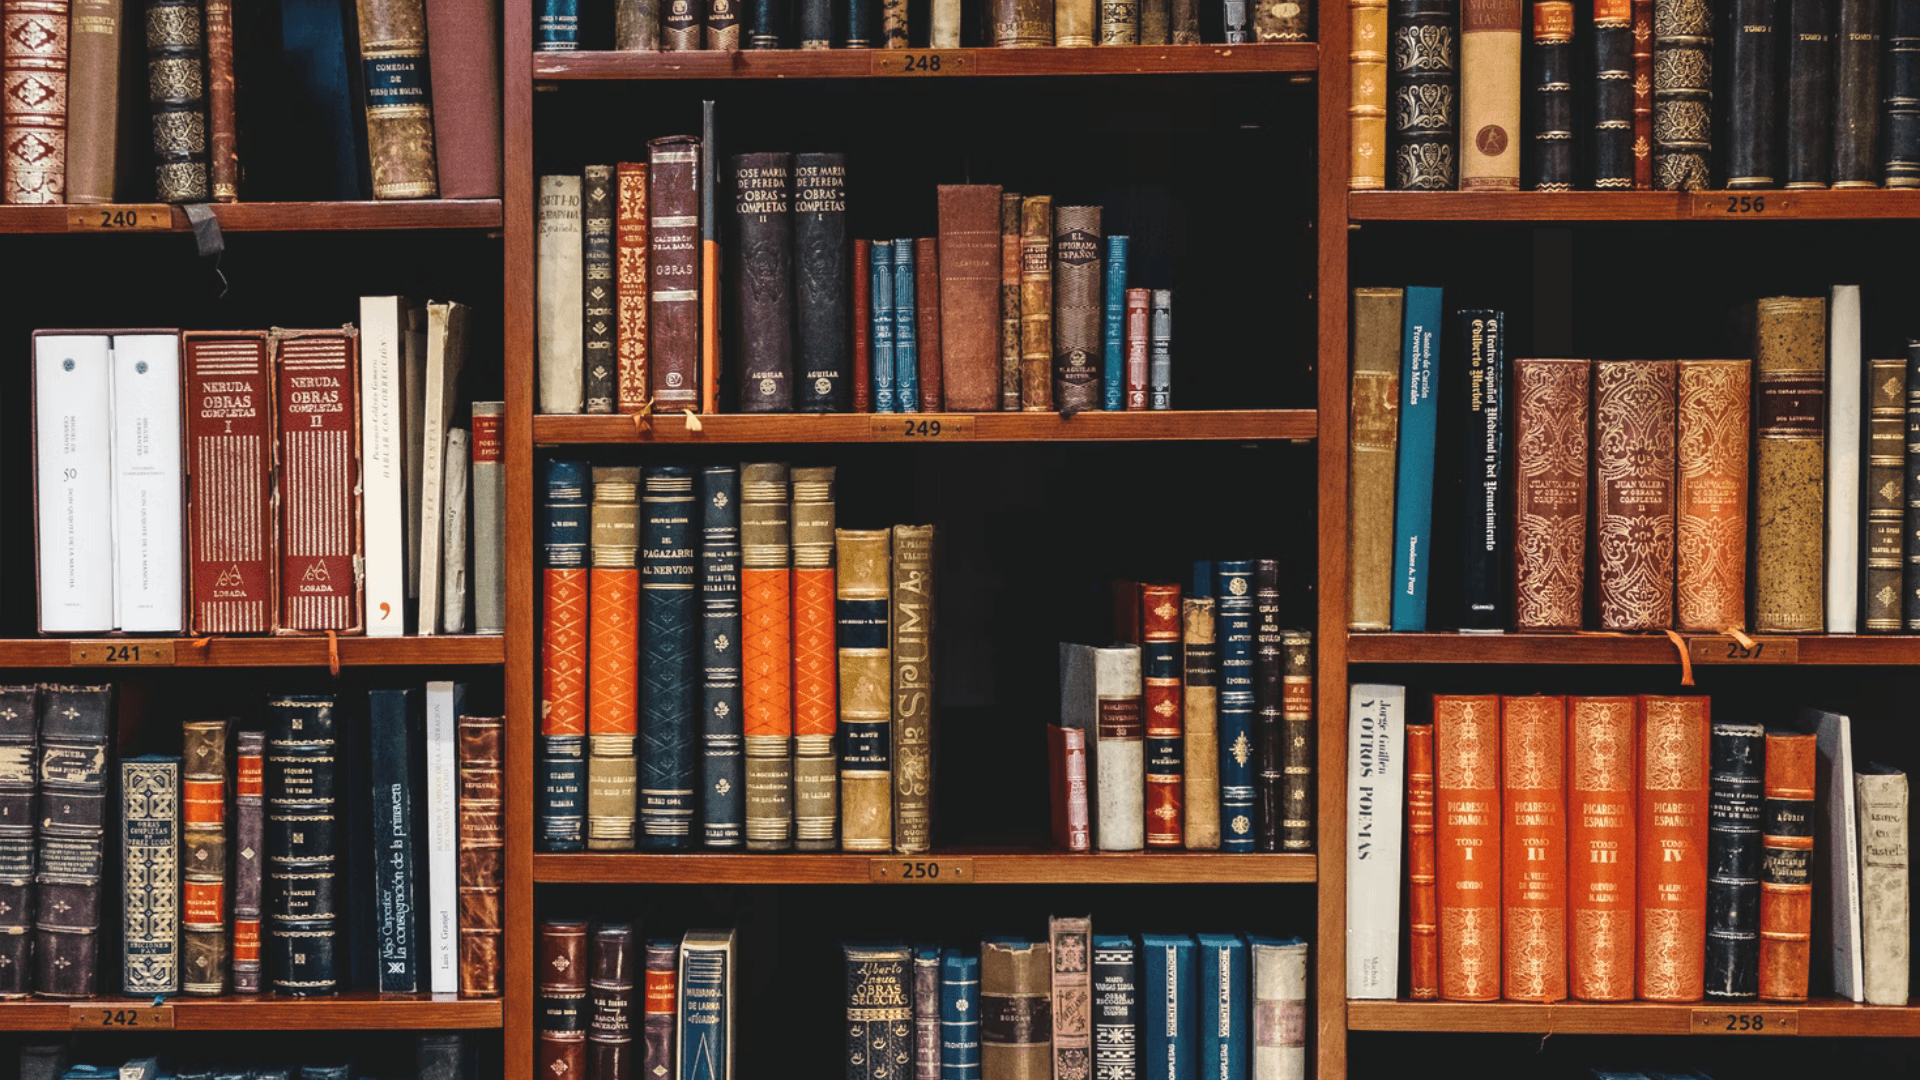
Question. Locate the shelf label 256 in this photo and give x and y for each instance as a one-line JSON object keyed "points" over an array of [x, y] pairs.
{"points": [[1741, 204], [120, 1017], [920, 871], [1746, 1022]]}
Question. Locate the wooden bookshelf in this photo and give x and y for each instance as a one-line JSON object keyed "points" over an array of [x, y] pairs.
{"points": [[1814, 1019], [257, 217], [1724, 206], [1242, 424], [217, 652], [1302, 57], [985, 867], [360, 1011], [1863, 650]]}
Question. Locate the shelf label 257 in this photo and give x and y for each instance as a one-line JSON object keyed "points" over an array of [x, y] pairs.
{"points": [[1716, 649], [1746, 1022]]}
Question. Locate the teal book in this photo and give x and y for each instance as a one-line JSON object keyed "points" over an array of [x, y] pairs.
{"points": [[959, 1016], [1224, 1005], [906, 315], [1413, 496], [883, 366], [1113, 375], [1168, 1016]]}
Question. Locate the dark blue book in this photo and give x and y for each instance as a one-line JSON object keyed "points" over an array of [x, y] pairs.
{"points": [[1233, 585], [959, 1016], [882, 303], [906, 316], [1413, 489], [669, 681], [565, 525], [556, 25], [1167, 1013], [705, 1001], [1225, 1013], [320, 124], [1116, 1007], [1484, 531], [879, 1003], [1113, 377], [858, 31], [723, 801], [393, 717]]}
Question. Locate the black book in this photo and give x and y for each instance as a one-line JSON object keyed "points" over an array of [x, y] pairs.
{"points": [[821, 282], [1748, 86], [1613, 95], [1484, 498], [860, 15], [303, 846], [1550, 129], [1116, 1006], [669, 658], [443, 1055], [1424, 94], [19, 743], [766, 23], [722, 732], [1809, 93], [1737, 755], [1269, 667], [816, 24], [176, 92], [75, 722], [397, 729], [1856, 105], [762, 192], [1903, 94], [596, 288]]}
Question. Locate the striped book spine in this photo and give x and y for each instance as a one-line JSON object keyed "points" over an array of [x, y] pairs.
{"points": [[613, 650]]}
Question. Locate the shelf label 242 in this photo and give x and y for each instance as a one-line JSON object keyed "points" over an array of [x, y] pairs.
{"points": [[120, 1017]]}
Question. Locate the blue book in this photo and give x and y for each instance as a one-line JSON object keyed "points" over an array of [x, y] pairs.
{"points": [[1113, 377], [565, 523], [705, 1000], [320, 103], [880, 1014], [1413, 494], [959, 1016], [723, 783], [556, 25], [1167, 1014], [669, 683], [882, 293], [1233, 630], [1116, 1007], [1225, 1013], [394, 718], [906, 347]]}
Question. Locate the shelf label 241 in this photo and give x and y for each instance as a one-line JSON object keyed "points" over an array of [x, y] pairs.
{"points": [[142, 652]]}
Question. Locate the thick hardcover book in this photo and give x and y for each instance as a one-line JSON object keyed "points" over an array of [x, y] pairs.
{"points": [[1550, 126], [203, 870], [1113, 345], [1233, 584], [863, 326], [1633, 463], [562, 340], [723, 806], [393, 48], [613, 650], [1071, 941], [1376, 736], [302, 845], [1751, 110], [1160, 666], [1169, 1012], [680, 27], [763, 227], [959, 1015], [1846, 370], [1902, 153], [1279, 997], [820, 284], [970, 276], [1613, 93], [1786, 867], [861, 609], [669, 675], [1373, 449], [673, 312], [816, 24], [1682, 94], [150, 874], [911, 645], [1885, 494], [176, 93], [906, 326], [1672, 749], [1078, 305], [1533, 839], [1601, 848], [1809, 96], [489, 488], [601, 366], [1012, 274], [1550, 492], [767, 654], [880, 289], [19, 757], [463, 55], [1224, 1006], [1139, 316], [1073, 22], [610, 964], [249, 842], [1789, 460], [660, 1012], [1016, 1010], [1856, 98], [1022, 24], [560, 1005], [230, 448], [1733, 862], [926, 1012], [483, 843], [723, 23], [1067, 787], [319, 479], [1296, 741], [1419, 421], [1077, 823], [1486, 530], [73, 468], [1183, 22], [1713, 410], [630, 277], [1423, 915], [816, 693], [926, 302], [1423, 78], [395, 719], [1160, 352], [563, 666], [1269, 670], [75, 722], [148, 490], [36, 103], [1036, 303], [1643, 95], [1466, 755], [1200, 692], [93, 100], [711, 301], [1886, 949], [1116, 1007], [706, 1034], [1367, 39], [1490, 32], [1156, 19]]}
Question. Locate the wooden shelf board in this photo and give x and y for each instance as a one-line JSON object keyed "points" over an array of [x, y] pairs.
{"points": [[1446, 648], [1816, 1019], [990, 867], [291, 216], [1626, 205], [357, 1011], [986, 427], [861, 63], [266, 651]]}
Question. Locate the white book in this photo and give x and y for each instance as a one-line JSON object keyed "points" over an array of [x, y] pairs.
{"points": [[1885, 892], [1121, 790], [446, 354], [149, 490], [489, 584], [444, 700], [561, 328], [383, 474], [1376, 808], [1836, 853], [1279, 990], [453, 574], [73, 467], [413, 384], [1845, 373]]}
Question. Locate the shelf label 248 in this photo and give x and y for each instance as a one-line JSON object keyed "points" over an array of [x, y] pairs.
{"points": [[1746, 1022]]}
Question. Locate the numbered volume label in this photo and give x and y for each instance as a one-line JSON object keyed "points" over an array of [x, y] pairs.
{"points": [[141, 217], [912, 62], [920, 427], [1742, 204]]}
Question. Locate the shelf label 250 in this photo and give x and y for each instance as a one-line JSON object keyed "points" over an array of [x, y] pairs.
{"points": [[1746, 1022], [120, 1017], [143, 653], [920, 871]]}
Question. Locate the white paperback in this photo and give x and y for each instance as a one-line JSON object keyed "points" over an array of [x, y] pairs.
{"points": [[383, 474], [148, 488], [446, 353], [73, 424], [444, 701], [1845, 372], [1885, 895], [1376, 787]]}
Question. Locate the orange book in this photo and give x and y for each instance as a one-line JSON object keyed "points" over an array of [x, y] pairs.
{"points": [[1533, 847], [1423, 918], [563, 692], [1786, 867], [767, 690], [1466, 758], [1161, 668], [1600, 848], [816, 661], [1672, 767], [614, 650]]}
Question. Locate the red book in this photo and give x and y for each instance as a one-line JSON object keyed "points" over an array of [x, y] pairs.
{"points": [[230, 529], [1786, 878], [1673, 769], [1422, 884], [1139, 307], [926, 287], [863, 326], [1600, 848], [1533, 838], [1466, 758], [1067, 776], [463, 65], [1161, 668], [319, 421]]}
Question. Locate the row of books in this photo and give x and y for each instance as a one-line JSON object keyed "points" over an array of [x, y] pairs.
{"points": [[1195, 733], [340, 891], [1016, 305], [1810, 94], [1613, 848], [1639, 476], [787, 699], [586, 1021], [251, 482], [322, 99], [437, 1055]]}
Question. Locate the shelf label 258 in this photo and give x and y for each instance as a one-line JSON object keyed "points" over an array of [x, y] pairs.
{"points": [[120, 1017], [1746, 1022], [920, 871]]}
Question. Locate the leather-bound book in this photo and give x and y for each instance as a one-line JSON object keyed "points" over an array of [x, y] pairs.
{"points": [[463, 58], [1156, 18], [317, 377], [960, 1013], [1200, 780], [766, 583], [707, 1034], [1016, 1009], [1073, 22], [1533, 840], [1139, 339], [680, 26], [1079, 814], [93, 99], [1170, 1021], [723, 25], [820, 284], [1296, 741], [893, 24], [150, 874], [483, 845], [1113, 347], [816, 693], [562, 332], [1223, 1014], [556, 26], [1751, 107], [1425, 72], [1682, 94], [1160, 668], [969, 296], [1551, 130], [613, 651], [249, 841], [763, 222], [223, 162], [1183, 21], [1886, 393], [659, 1014], [926, 297], [1490, 95], [1886, 949], [1423, 912], [906, 327], [1279, 997], [1600, 848], [489, 519], [1642, 95], [670, 657], [857, 19], [1789, 463], [1078, 308], [560, 1010], [816, 24], [926, 1011], [723, 806], [393, 50], [865, 674], [630, 284], [1910, 572], [34, 111], [1733, 862], [862, 326], [1022, 23], [673, 314], [203, 869], [1809, 96], [766, 22], [711, 301], [879, 1004], [1550, 492], [1373, 454], [1116, 1005], [230, 527], [1070, 939], [1710, 564], [1012, 269], [1613, 90], [1902, 97], [1786, 867], [1633, 462], [1368, 42], [600, 365], [1120, 22], [75, 722], [610, 964], [1486, 487], [177, 95], [1671, 746], [565, 582], [1233, 585], [302, 845], [911, 646], [1269, 669], [1276, 20], [1067, 784], [19, 755], [1466, 752], [1856, 98], [1036, 303]]}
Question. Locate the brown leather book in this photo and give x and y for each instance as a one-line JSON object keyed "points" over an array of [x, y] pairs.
{"points": [[1201, 761], [393, 48], [1067, 788], [1022, 23], [1490, 32], [1715, 404], [93, 99], [866, 688], [1633, 455], [203, 867], [673, 314], [926, 290], [483, 852], [1372, 453], [223, 163], [1672, 767], [862, 326], [1162, 694], [1036, 304], [249, 819], [1466, 755], [1643, 95], [560, 1017], [630, 283], [1078, 308], [1886, 494], [463, 60], [1016, 1009], [1073, 22], [1789, 465], [1600, 848], [1139, 314], [1550, 492], [1786, 867], [1367, 95], [913, 690], [969, 297], [636, 25], [230, 450], [34, 112], [317, 374], [1011, 206], [610, 959], [1423, 915], [1533, 840], [1155, 22]]}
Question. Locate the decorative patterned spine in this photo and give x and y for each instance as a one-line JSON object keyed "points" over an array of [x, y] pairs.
{"points": [[1113, 368], [1160, 352], [1903, 96], [926, 1012], [1116, 1007], [723, 775], [393, 51], [1036, 303], [1373, 449], [1425, 74], [1910, 572], [1672, 768], [1550, 492], [1269, 676], [660, 1016], [1278, 20], [820, 280], [230, 528], [763, 221], [1490, 32], [1201, 700], [613, 649], [1786, 867], [673, 239], [1297, 741], [1139, 341], [1553, 95], [560, 1012], [1682, 94], [1733, 862], [885, 392], [1016, 1011], [879, 1005], [913, 690], [1071, 941], [1423, 915], [1534, 847], [483, 849], [36, 99], [1856, 99], [19, 756], [1714, 407], [816, 693], [669, 683], [1809, 104], [563, 687], [1077, 308], [1886, 947], [610, 1001], [906, 322], [249, 814], [1613, 95], [1789, 462], [1886, 393], [1466, 753], [203, 832], [866, 688], [630, 285], [862, 326], [1119, 22], [767, 654], [723, 26], [1633, 405], [1750, 112], [150, 854], [176, 91], [1600, 848], [1642, 95], [597, 295], [636, 25], [303, 851], [959, 1016], [1160, 664], [893, 24], [1367, 104], [319, 479], [1234, 587], [1012, 328], [680, 26]]}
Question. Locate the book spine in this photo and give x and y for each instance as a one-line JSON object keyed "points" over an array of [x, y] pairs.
{"points": [[610, 1001], [563, 693], [1279, 1032], [1160, 352], [1071, 942], [223, 163], [1550, 492], [1224, 1014], [1902, 152], [880, 1013], [19, 757], [820, 276], [203, 834], [93, 100], [723, 774], [1601, 848], [631, 274], [1533, 736], [73, 465], [392, 716], [1733, 862], [1200, 772], [560, 1008], [1856, 99], [1642, 95], [1423, 78], [302, 845], [1490, 33], [150, 854], [816, 26], [1016, 1010], [1423, 913], [1552, 128], [1233, 585], [1682, 94], [1114, 328], [453, 574], [1139, 342], [1120, 22], [660, 1013], [926, 1012], [462, 55], [1885, 493], [489, 518], [1117, 750], [1633, 475], [1881, 802], [383, 439], [1750, 110], [885, 396], [445, 353], [766, 21], [1036, 303], [723, 24], [562, 333], [763, 221], [1673, 769], [1466, 756], [1233, 17], [1012, 276], [767, 654], [1413, 497], [249, 816], [711, 300], [816, 693], [706, 1006], [959, 1016], [1170, 1015], [1073, 23], [1790, 357], [600, 365], [556, 26], [893, 24], [319, 481], [1713, 408], [673, 244], [1161, 664], [1373, 449], [1269, 677], [1485, 489], [1116, 1008], [613, 651], [1273, 22], [906, 337], [1077, 306], [74, 747], [1067, 786], [230, 528], [1022, 23], [668, 687], [444, 700], [483, 850], [176, 93], [927, 315], [856, 28], [680, 27], [865, 675], [1910, 574], [1786, 868], [911, 645], [1809, 105], [862, 326], [1297, 741], [1845, 371], [1183, 22], [968, 297], [1613, 93], [393, 55], [1367, 38]]}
